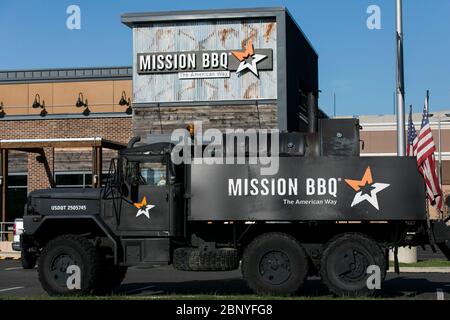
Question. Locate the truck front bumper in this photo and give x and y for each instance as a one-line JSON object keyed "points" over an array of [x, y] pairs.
{"points": [[16, 246]]}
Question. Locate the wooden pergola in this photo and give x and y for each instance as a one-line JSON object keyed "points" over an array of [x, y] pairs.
{"points": [[37, 146]]}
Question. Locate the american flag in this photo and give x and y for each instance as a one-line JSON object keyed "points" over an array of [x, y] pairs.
{"points": [[424, 151], [412, 136], [411, 149]]}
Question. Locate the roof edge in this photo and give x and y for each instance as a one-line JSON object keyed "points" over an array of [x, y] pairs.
{"points": [[130, 19], [65, 74], [290, 16]]}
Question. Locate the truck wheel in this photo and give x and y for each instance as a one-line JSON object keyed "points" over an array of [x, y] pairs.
{"points": [[193, 259], [28, 260], [65, 251], [275, 263], [345, 261]]}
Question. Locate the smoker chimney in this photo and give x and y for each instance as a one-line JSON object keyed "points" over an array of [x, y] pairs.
{"points": [[312, 112]]}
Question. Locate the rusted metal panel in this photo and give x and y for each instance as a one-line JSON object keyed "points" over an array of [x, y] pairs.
{"points": [[149, 120], [204, 36]]}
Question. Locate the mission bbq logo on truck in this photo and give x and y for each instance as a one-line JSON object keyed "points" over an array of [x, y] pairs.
{"points": [[286, 187], [325, 188]]}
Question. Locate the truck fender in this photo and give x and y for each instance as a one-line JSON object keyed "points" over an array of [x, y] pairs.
{"points": [[39, 225]]}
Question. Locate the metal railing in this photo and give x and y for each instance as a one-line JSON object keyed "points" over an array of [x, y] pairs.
{"points": [[6, 231]]}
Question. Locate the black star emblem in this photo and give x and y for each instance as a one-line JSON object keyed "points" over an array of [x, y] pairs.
{"points": [[366, 189], [249, 59]]}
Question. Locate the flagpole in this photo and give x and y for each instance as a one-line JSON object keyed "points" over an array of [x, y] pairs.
{"points": [[401, 144], [405, 254]]}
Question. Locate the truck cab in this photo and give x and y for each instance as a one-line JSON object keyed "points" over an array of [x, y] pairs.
{"points": [[151, 190]]}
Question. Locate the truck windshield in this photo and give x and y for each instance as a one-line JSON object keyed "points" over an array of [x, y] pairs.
{"points": [[145, 173]]}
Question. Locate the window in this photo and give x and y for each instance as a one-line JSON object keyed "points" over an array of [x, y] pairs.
{"points": [[73, 179], [145, 173], [17, 195], [154, 173]]}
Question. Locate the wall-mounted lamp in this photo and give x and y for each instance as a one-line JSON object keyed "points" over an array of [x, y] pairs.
{"points": [[81, 102], [123, 99], [43, 112], [37, 101], [125, 102], [37, 104], [2, 110], [86, 111]]}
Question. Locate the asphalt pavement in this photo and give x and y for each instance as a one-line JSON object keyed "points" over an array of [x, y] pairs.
{"points": [[17, 282]]}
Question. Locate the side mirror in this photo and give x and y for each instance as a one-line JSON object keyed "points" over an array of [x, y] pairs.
{"points": [[124, 190], [135, 181], [135, 177], [172, 172]]}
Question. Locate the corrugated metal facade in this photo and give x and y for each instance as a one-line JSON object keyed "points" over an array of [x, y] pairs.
{"points": [[203, 36]]}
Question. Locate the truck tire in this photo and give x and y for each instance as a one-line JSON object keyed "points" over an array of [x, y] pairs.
{"points": [[345, 261], [226, 259], [275, 264], [58, 255], [180, 260], [193, 259], [27, 259]]}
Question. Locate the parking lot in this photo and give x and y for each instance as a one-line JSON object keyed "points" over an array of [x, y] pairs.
{"points": [[17, 282]]}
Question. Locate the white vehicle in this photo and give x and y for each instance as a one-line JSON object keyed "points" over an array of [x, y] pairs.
{"points": [[28, 260], [18, 230]]}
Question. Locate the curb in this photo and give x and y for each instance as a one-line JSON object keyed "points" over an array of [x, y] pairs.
{"points": [[9, 258], [422, 270], [9, 255]]}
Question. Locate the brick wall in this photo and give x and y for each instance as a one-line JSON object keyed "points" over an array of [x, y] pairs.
{"points": [[147, 120], [41, 167], [115, 129]]}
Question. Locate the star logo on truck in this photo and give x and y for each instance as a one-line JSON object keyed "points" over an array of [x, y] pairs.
{"points": [[249, 59], [143, 208], [366, 189]]}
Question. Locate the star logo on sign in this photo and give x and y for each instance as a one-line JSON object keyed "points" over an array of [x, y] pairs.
{"points": [[144, 208], [249, 59], [366, 189]]}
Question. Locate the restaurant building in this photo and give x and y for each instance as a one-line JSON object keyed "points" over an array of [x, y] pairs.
{"points": [[242, 68]]}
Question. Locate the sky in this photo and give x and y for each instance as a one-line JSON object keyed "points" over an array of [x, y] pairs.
{"points": [[355, 63]]}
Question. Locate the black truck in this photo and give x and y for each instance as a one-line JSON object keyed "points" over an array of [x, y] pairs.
{"points": [[328, 212]]}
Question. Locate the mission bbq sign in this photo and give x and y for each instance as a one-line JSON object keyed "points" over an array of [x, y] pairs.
{"points": [[206, 64]]}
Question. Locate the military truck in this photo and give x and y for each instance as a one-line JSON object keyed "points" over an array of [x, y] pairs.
{"points": [[327, 211]]}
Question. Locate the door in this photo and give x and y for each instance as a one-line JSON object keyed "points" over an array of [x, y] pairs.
{"points": [[146, 205]]}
